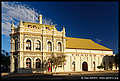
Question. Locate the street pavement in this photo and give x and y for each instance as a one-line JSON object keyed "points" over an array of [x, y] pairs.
{"points": [[62, 76]]}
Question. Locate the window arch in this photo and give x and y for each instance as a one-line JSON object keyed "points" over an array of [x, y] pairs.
{"points": [[28, 45], [16, 45], [38, 63], [59, 46], [49, 46], [28, 63], [38, 45], [94, 65]]}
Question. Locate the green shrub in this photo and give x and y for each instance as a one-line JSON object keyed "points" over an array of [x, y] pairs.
{"points": [[100, 67]]}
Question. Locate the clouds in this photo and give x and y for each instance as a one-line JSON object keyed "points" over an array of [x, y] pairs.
{"points": [[16, 11], [13, 12]]}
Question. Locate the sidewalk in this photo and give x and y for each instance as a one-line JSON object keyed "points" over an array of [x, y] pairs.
{"points": [[4, 74], [80, 72], [58, 73]]}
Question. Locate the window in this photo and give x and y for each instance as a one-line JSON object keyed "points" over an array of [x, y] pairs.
{"points": [[28, 45], [49, 46], [73, 64], [28, 63], [47, 28], [34, 26], [38, 45], [38, 63], [94, 65], [16, 45], [59, 46], [60, 66], [29, 26]]}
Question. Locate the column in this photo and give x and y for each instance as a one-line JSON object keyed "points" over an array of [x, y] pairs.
{"points": [[21, 61], [12, 68]]}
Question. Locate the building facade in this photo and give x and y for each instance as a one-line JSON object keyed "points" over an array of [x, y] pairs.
{"points": [[32, 44]]}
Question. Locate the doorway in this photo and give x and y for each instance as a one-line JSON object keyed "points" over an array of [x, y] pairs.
{"points": [[84, 66], [15, 65]]}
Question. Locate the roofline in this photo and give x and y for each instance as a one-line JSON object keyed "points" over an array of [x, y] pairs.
{"points": [[108, 49], [78, 38], [90, 49], [37, 23]]}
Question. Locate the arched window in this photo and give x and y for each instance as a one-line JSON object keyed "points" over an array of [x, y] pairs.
{"points": [[59, 46], [16, 45], [94, 65], [49, 46], [38, 63], [38, 45], [73, 63], [28, 63], [28, 45]]}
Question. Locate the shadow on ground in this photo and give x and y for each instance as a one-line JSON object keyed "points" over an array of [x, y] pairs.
{"points": [[58, 76]]}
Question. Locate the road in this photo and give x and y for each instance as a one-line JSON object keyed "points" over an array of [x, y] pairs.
{"points": [[62, 76]]}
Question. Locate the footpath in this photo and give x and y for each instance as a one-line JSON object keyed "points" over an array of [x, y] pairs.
{"points": [[81, 73], [59, 73]]}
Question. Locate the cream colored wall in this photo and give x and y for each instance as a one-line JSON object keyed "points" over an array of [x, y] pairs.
{"points": [[88, 51], [33, 34], [80, 56], [77, 55], [12, 63], [45, 31], [68, 63], [53, 32]]}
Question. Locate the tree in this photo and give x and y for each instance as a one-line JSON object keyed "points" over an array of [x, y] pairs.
{"points": [[7, 53], [116, 59], [100, 67], [5, 61], [58, 60]]}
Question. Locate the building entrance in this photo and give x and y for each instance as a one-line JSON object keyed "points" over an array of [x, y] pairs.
{"points": [[84, 66]]}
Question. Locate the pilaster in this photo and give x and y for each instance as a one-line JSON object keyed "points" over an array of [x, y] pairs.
{"points": [[12, 68]]}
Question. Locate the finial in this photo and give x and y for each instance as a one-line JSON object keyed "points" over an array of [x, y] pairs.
{"points": [[63, 28], [12, 26], [20, 23]]}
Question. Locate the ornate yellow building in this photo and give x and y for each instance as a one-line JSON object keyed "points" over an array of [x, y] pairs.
{"points": [[33, 43]]}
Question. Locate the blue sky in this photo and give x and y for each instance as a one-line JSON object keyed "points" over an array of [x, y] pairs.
{"points": [[92, 20]]}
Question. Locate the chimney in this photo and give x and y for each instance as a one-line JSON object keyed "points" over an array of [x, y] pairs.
{"points": [[40, 19]]}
